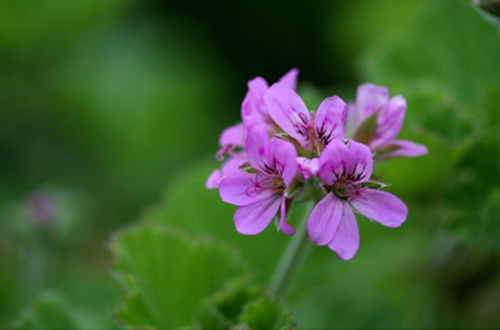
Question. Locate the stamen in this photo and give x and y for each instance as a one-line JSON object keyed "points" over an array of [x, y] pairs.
{"points": [[304, 118], [262, 182], [228, 149]]}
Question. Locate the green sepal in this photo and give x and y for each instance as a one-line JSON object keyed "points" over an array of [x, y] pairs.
{"points": [[383, 151], [374, 184], [365, 133]]}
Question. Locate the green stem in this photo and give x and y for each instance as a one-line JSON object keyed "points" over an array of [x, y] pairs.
{"points": [[292, 259]]}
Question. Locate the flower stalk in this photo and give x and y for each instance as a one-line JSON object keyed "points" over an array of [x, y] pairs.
{"points": [[293, 258]]}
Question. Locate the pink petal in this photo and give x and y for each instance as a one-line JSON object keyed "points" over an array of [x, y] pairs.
{"points": [[346, 239], [253, 104], [332, 161], [284, 226], [354, 161], [233, 135], [213, 180], [324, 219], [254, 218], [370, 98], [359, 162], [238, 189], [232, 165], [282, 156], [288, 110], [404, 149], [381, 206], [307, 167], [389, 121], [330, 120], [256, 146], [290, 79]]}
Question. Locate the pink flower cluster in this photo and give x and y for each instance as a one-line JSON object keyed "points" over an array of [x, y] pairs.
{"points": [[281, 150]]}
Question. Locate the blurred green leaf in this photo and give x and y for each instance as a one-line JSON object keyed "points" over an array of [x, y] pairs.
{"points": [[134, 314], [52, 311], [385, 286], [221, 311], [49, 312], [435, 118], [490, 214], [491, 102], [172, 274], [265, 314], [463, 56]]}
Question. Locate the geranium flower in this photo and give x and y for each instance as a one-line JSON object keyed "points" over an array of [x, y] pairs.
{"points": [[344, 168], [376, 120], [253, 110], [284, 154], [312, 130], [261, 192]]}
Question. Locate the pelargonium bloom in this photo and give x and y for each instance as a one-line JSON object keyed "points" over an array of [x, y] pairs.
{"points": [[264, 175], [260, 193], [344, 168], [312, 130], [373, 104], [253, 110]]}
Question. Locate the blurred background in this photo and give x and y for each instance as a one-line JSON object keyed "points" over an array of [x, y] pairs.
{"points": [[111, 112]]}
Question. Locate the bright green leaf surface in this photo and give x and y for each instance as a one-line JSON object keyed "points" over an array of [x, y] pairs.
{"points": [[172, 274]]}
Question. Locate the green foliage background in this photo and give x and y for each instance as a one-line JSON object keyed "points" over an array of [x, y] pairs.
{"points": [[112, 110]]}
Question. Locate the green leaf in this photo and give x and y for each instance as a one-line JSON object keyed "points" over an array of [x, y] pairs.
{"points": [[463, 56], [435, 118], [224, 307], [134, 312], [490, 214], [52, 311], [171, 275], [265, 314], [49, 312]]}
